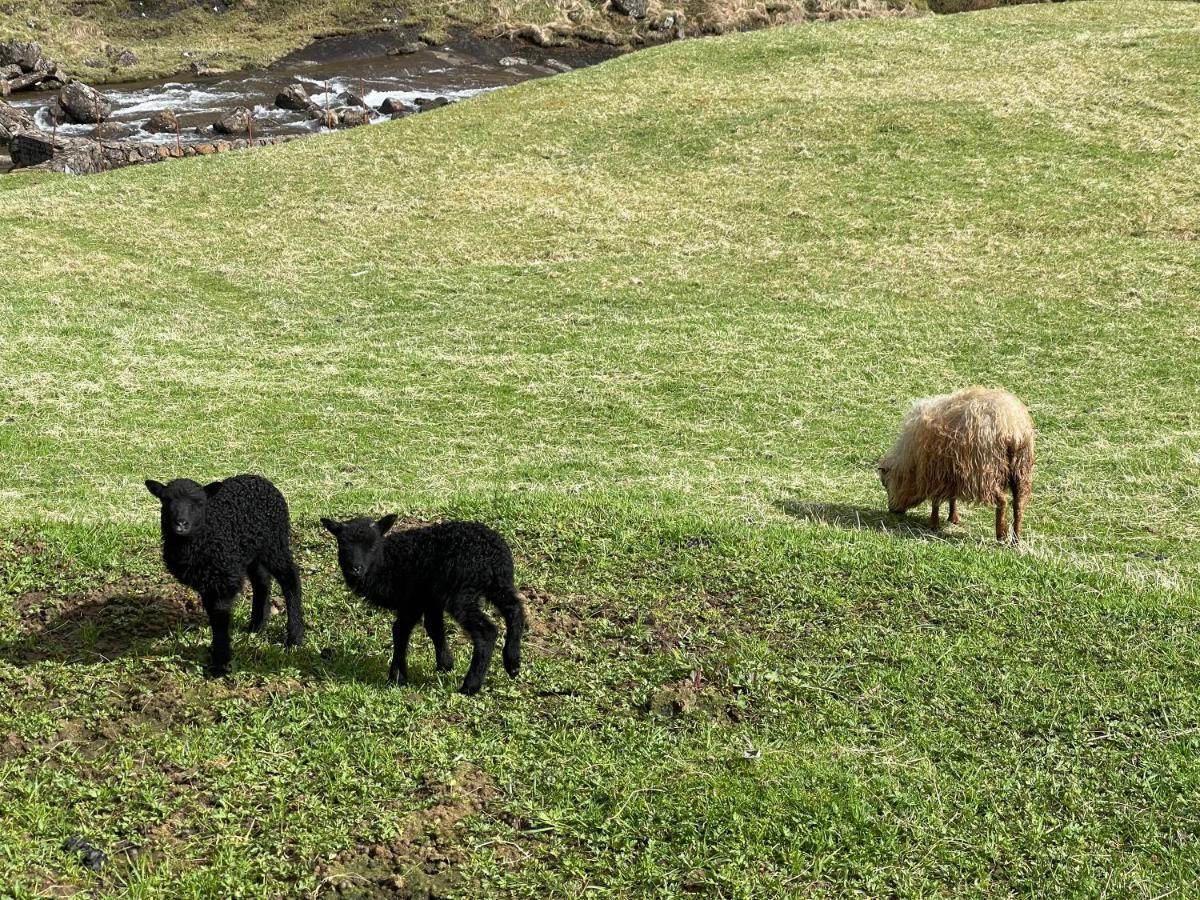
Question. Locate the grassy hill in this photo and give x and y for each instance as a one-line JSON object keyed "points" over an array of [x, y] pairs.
{"points": [[655, 320]]}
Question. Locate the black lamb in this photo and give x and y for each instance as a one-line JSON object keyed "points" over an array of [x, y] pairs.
{"points": [[216, 536], [429, 571]]}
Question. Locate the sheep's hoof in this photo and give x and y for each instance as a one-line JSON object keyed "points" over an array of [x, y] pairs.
{"points": [[445, 663], [293, 641], [469, 690], [217, 671], [396, 681], [513, 669]]}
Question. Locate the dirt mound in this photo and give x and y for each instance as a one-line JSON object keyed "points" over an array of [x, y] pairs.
{"points": [[422, 861]]}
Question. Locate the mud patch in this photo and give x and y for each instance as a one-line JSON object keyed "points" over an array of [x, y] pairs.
{"points": [[423, 861], [99, 625]]}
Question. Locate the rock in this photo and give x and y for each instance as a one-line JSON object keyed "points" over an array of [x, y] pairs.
{"points": [[349, 98], [205, 149], [294, 97], [236, 122], [13, 121], [394, 107], [557, 65], [204, 70], [405, 49], [510, 61], [353, 116], [424, 103], [162, 122], [10, 71], [27, 55], [24, 82], [635, 9], [120, 58], [82, 104]]}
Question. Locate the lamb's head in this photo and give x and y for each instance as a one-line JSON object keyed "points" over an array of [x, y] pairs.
{"points": [[184, 504], [359, 540], [897, 481]]}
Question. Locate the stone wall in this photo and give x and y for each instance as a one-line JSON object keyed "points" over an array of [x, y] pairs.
{"points": [[82, 157]]}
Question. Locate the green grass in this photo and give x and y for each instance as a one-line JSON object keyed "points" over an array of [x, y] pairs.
{"points": [[654, 320]]}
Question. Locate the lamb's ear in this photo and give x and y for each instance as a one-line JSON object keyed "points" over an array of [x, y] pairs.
{"points": [[157, 488], [214, 488], [384, 525], [334, 528]]}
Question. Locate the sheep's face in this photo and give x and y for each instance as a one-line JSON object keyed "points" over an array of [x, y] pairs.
{"points": [[184, 504], [885, 478], [358, 542]]}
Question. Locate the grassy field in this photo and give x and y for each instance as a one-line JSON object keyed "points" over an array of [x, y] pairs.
{"points": [[655, 321], [168, 35]]}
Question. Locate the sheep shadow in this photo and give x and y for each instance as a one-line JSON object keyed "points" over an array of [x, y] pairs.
{"points": [[96, 627], [151, 621], [860, 518]]}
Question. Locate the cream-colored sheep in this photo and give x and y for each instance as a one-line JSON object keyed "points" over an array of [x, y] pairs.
{"points": [[975, 445]]}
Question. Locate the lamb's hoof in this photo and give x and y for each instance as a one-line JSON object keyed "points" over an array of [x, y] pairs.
{"points": [[395, 681], [221, 671], [445, 663], [470, 690], [294, 640], [513, 669], [256, 629]]}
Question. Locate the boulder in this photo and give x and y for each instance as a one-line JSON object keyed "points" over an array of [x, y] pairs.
{"points": [[82, 104], [294, 97], [510, 61], [405, 49], [24, 82], [557, 65], [162, 122], [394, 107], [424, 103], [236, 122], [349, 98], [13, 121], [204, 70], [27, 55], [635, 9], [10, 71], [353, 116], [120, 58]]}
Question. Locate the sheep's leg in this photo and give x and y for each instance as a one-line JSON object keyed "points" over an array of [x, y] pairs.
{"points": [[260, 581], [933, 515], [953, 510], [482, 631], [1001, 524], [401, 631], [508, 601], [221, 654], [1018, 512], [435, 627], [285, 573]]}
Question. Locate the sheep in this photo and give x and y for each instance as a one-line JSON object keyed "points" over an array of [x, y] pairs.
{"points": [[426, 572], [975, 445], [214, 537]]}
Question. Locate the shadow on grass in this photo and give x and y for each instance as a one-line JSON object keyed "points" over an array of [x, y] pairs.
{"points": [[137, 621], [859, 518]]}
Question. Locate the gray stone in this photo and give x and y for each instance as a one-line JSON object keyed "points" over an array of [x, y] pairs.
{"points": [[394, 107], [510, 61], [82, 104], [236, 122], [13, 121], [635, 9], [162, 122], [27, 55], [294, 97]]}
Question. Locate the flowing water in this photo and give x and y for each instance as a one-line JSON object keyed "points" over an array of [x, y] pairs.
{"points": [[327, 69]]}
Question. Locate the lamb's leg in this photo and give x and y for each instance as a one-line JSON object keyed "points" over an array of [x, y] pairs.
{"points": [[1001, 524], [482, 631], [1018, 512], [435, 627], [260, 581], [508, 601], [221, 654], [284, 570], [953, 510], [401, 630], [933, 515]]}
